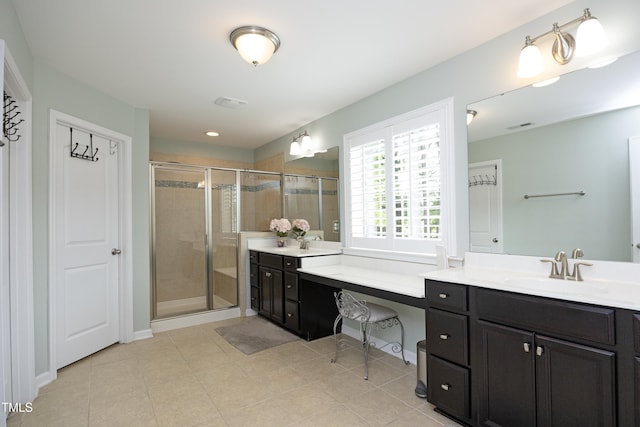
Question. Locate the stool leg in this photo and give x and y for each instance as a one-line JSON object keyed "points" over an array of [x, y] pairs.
{"points": [[365, 328], [335, 336], [402, 341]]}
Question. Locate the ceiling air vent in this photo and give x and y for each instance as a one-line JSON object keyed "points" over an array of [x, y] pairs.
{"points": [[520, 126], [233, 103]]}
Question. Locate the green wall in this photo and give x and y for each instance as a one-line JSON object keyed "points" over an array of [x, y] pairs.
{"points": [[589, 154], [199, 149]]}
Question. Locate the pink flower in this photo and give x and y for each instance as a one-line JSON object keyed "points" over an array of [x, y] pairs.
{"points": [[300, 227], [280, 226]]}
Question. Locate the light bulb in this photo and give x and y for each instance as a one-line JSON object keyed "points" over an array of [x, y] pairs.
{"points": [[530, 63]]}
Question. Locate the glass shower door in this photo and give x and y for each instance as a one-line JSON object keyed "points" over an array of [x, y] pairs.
{"points": [[224, 241], [179, 233]]}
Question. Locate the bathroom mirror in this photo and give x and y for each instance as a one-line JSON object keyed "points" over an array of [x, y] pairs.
{"points": [[565, 147], [311, 192]]}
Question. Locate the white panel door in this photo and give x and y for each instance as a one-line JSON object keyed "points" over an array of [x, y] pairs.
{"points": [[86, 288], [634, 176], [485, 207]]}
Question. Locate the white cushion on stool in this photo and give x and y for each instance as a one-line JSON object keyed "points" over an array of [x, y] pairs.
{"points": [[378, 313]]}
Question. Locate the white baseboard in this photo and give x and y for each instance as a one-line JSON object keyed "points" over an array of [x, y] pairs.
{"points": [[194, 319], [43, 379], [142, 335], [410, 356]]}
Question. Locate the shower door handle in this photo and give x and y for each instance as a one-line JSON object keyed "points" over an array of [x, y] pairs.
{"points": [[116, 251]]}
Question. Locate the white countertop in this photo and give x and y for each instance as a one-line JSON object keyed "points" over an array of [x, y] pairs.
{"points": [[403, 284], [610, 293], [295, 251]]}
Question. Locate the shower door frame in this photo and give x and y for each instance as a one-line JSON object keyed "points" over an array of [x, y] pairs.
{"points": [[208, 237]]}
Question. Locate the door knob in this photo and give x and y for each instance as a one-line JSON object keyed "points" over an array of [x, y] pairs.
{"points": [[638, 246], [495, 240], [115, 251]]}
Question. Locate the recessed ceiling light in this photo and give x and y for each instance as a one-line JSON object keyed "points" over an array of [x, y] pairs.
{"points": [[212, 133]]}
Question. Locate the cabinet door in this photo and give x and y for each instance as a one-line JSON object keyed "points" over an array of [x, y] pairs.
{"points": [[507, 375], [575, 384], [277, 307], [266, 294]]}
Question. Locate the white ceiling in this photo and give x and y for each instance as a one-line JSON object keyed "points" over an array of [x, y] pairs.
{"points": [[174, 57]]}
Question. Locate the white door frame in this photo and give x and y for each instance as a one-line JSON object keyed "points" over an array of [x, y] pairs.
{"points": [[21, 243], [125, 231]]}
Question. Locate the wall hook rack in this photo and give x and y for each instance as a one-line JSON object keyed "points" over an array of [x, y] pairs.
{"points": [[88, 153], [10, 120], [482, 180]]}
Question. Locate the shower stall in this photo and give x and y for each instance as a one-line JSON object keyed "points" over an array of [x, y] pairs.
{"points": [[194, 239], [197, 213]]}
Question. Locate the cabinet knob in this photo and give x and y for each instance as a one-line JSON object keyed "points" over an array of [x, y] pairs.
{"points": [[289, 286], [289, 315], [444, 336], [526, 346], [539, 350], [289, 264], [445, 386], [267, 274], [444, 296]]}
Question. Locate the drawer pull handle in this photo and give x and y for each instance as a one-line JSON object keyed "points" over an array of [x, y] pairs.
{"points": [[445, 387], [526, 346], [444, 336], [539, 350], [444, 296]]}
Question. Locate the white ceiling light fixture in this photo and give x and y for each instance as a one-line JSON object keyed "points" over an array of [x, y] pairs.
{"points": [[256, 45], [590, 39]]}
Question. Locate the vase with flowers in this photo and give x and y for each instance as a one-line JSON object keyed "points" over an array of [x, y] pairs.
{"points": [[299, 229], [281, 227]]}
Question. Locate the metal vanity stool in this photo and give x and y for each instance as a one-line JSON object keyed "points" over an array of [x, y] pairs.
{"points": [[368, 315]]}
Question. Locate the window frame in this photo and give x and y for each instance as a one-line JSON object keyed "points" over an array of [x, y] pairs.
{"points": [[406, 249]]}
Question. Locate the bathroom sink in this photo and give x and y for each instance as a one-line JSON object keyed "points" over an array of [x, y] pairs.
{"points": [[555, 285]]}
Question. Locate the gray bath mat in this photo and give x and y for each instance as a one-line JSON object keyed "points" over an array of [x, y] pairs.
{"points": [[255, 334]]}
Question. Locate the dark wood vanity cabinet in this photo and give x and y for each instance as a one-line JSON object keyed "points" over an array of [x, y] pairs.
{"points": [[277, 295], [530, 361]]}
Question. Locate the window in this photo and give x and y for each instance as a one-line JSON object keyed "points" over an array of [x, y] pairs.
{"points": [[397, 182]]}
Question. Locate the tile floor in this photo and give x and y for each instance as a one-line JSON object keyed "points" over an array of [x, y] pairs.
{"points": [[193, 377]]}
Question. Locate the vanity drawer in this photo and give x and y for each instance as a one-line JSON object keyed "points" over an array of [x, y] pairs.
{"points": [[447, 335], [448, 296], [270, 260], [292, 315], [636, 332], [291, 263], [448, 387], [543, 315], [291, 286]]}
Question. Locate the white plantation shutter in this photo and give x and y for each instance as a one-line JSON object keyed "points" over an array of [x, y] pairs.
{"points": [[394, 185]]}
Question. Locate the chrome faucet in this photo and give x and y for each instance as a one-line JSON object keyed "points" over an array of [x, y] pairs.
{"points": [[563, 273], [575, 275], [561, 257]]}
